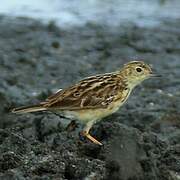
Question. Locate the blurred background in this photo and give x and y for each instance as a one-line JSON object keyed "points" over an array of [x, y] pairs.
{"points": [[50, 44], [68, 13]]}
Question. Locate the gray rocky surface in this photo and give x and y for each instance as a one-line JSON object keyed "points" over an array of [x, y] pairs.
{"points": [[141, 141]]}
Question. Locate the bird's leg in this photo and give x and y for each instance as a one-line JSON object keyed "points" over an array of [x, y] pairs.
{"points": [[71, 126], [85, 133]]}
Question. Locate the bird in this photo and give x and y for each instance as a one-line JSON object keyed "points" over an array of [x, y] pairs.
{"points": [[95, 97]]}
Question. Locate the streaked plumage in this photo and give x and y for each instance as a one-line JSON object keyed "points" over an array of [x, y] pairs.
{"points": [[95, 97]]}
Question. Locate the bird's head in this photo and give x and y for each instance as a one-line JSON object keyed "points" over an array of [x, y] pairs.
{"points": [[136, 71]]}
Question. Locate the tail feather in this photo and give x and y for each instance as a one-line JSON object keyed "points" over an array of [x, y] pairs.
{"points": [[27, 109]]}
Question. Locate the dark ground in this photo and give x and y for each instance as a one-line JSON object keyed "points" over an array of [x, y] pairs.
{"points": [[141, 141]]}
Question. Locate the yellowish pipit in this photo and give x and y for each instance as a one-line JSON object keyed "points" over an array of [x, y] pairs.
{"points": [[95, 97]]}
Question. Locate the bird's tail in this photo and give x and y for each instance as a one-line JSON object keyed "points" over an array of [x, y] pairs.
{"points": [[27, 109]]}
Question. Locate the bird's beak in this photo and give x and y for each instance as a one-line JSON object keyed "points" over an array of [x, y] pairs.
{"points": [[155, 75]]}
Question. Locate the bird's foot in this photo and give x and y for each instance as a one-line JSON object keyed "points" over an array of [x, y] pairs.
{"points": [[87, 135]]}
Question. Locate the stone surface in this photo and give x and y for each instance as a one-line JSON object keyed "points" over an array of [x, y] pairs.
{"points": [[141, 141]]}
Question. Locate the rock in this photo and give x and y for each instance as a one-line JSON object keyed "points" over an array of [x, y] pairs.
{"points": [[123, 152], [141, 140]]}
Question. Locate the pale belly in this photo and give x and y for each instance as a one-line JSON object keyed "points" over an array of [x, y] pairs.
{"points": [[87, 115]]}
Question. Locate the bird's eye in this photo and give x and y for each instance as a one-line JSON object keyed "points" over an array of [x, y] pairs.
{"points": [[138, 69]]}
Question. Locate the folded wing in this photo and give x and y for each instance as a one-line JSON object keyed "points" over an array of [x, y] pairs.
{"points": [[94, 92]]}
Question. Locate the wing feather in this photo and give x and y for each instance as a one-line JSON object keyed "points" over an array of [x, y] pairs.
{"points": [[93, 92]]}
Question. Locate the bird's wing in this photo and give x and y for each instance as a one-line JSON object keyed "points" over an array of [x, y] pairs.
{"points": [[93, 92]]}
